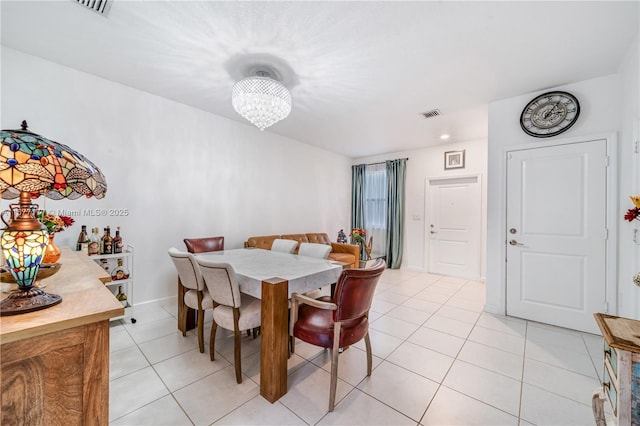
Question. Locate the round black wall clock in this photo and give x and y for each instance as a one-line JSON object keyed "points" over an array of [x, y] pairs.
{"points": [[549, 114]]}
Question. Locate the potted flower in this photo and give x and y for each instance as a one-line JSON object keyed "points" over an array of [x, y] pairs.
{"points": [[359, 236], [633, 213], [54, 224]]}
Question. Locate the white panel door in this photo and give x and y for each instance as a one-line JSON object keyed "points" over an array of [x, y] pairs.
{"points": [[556, 234], [453, 227]]}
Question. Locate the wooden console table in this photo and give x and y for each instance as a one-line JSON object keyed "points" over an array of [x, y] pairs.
{"points": [[54, 363], [621, 378]]}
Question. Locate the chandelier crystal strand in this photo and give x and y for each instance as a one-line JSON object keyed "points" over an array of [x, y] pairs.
{"points": [[261, 100]]}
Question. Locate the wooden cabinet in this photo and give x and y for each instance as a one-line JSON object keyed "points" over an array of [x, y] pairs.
{"points": [[54, 363], [61, 378], [621, 374]]}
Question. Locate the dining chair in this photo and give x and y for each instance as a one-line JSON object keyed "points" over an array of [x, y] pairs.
{"points": [[195, 295], [202, 245], [187, 320], [321, 251], [338, 322], [284, 246], [232, 310]]}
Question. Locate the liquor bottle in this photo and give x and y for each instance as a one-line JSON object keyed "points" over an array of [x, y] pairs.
{"points": [[94, 244], [121, 272], [121, 297], [105, 264], [117, 242], [104, 237], [83, 240], [108, 242]]}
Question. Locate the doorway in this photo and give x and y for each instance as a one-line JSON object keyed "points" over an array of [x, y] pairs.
{"points": [[556, 235], [453, 228]]}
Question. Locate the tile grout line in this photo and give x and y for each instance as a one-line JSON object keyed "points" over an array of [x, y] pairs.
{"points": [[157, 374], [406, 340], [524, 360], [441, 384]]}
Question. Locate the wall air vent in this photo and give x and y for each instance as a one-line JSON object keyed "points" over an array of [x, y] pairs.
{"points": [[99, 6], [432, 113]]}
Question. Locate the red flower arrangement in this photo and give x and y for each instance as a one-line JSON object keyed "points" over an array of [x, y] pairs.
{"points": [[55, 223], [358, 235], [633, 213]]}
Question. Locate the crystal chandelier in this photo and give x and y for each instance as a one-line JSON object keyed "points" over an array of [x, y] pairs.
{"points": [[261, 100]]}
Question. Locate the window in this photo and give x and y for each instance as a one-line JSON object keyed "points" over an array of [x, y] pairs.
{"points": [[376, 207]]}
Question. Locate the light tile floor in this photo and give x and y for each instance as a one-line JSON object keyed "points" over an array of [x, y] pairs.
{"points": [[438, 360]]}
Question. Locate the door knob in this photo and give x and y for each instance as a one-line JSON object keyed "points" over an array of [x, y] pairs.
{"points": [[432, 232], [515, 243]]}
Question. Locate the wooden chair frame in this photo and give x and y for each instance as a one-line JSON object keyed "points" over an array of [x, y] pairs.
{"points": [[237, 335]]}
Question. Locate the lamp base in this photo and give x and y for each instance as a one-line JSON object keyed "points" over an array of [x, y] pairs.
{"points": [[23, 301]]}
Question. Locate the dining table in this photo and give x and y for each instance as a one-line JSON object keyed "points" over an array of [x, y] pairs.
{"points": [[272, 277]]}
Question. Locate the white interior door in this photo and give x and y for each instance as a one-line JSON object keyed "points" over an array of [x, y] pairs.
{"points": [[556, 234], [453, 226]]}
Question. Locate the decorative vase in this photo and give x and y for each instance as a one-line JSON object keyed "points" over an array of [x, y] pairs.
{"points": [[52, 252], [360, 243]]}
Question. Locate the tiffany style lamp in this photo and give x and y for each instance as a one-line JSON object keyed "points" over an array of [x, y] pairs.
{"points": [[30, 166]]}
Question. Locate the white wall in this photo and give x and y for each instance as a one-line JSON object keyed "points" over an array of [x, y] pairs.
{"points": [[180, 172], [629, 179], [608, 105], [429, 163]]}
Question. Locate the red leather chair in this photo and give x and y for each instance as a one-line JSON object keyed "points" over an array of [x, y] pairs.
{"points": [[186, 315], [201, 245], [338, 322]]}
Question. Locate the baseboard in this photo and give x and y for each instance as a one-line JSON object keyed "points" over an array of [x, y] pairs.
{"points": [[157, 300], [494, 309]]}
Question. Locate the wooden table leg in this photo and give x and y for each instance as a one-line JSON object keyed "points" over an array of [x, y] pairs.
{"points": [[274, 339], [190, 322]]}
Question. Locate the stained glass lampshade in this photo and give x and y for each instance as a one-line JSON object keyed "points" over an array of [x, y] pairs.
{"points": [[30, 166]]}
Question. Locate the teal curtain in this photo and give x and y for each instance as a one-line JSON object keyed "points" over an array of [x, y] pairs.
{"points": [[358, 178], [396, 177]]}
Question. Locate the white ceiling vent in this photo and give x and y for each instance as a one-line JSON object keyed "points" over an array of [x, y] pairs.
{"points": [[99, 6], [430, 114]]}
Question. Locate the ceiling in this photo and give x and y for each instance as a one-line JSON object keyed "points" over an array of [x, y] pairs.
{"points": [[360, 73]]}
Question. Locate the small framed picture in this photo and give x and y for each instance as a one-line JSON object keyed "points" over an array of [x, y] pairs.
{"points": [[454, 160]]}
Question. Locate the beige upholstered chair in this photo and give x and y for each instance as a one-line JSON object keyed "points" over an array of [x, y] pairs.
{"points": [[321, 251], [195, 295], [284, 246], [232, 310], [340, 321], [186, 320]]}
